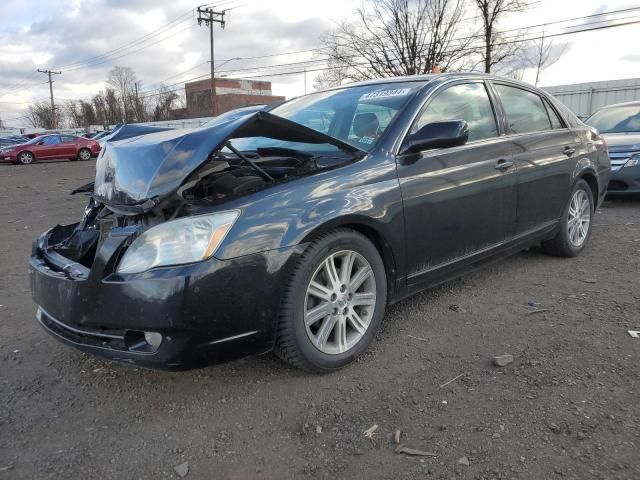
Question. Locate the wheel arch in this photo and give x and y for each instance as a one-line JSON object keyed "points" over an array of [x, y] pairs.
{"points": [[592, 180], [367, 227], [26, 151]]}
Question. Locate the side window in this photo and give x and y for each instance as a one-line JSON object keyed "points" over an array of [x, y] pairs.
{"points": [[525, 110], [51, 140], [555, 120], [67, 139], [469, 102]]}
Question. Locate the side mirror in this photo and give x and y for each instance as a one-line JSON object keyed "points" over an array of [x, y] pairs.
{"points": [[437, 135], [41, 142]]}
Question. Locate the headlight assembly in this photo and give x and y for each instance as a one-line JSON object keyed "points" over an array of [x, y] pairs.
{"points": [[176, 242]]}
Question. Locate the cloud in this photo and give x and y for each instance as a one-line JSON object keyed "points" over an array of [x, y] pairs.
{"points": [[631, 58], [66, 35]]}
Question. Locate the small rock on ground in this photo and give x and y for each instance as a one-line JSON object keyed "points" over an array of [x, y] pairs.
{"points": [[502, 360], [182, 470]]}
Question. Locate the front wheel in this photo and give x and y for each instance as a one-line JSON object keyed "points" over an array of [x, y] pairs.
{"points": [[333, 302], [575, 226], [25, 158]]}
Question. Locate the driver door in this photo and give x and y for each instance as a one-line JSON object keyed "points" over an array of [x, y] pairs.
{"points": [[50, 148], [459, 202]]}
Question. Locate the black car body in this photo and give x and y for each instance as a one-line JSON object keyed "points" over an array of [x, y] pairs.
{"points": [[619, 125], [476, 182]]}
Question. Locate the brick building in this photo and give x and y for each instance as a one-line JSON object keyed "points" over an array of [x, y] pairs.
{"points": [[230, 93]]}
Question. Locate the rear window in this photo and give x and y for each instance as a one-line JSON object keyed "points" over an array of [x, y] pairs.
{"points": [[525, 110]]}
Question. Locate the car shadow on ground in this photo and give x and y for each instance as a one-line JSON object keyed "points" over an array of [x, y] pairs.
{"points": [[270, 366]]}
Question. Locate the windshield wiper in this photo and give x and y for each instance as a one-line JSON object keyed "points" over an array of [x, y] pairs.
{"points": [[250, 162]]}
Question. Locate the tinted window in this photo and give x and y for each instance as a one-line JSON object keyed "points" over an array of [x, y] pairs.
{"points": [[621, 119], [469, 102], [525, 110], [51, 140], [67, 138], [555, 119]]}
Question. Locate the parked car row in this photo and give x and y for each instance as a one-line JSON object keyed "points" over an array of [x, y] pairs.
{"points": [[620, 126], [48, 147]]}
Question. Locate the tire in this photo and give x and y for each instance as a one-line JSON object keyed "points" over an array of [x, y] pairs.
{"points": [[25, 158], [569, 241], [306, 344], [84, 154]]}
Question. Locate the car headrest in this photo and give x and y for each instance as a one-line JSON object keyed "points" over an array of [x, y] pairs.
{"points": [[366, 125]]}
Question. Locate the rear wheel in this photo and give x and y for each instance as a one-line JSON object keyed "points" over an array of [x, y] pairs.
{"points": [[333, 302], [25, 158], [575, 228], [84, 154]]}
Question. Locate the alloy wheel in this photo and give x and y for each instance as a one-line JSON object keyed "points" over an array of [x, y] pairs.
{"points": [[26, 158], [339, 302], [579, 218], [85, 155]]}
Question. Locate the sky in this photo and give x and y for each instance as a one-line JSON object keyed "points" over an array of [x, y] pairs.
{"points": [[84, 39]]}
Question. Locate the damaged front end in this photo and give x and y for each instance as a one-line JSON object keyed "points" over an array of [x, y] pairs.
{"points": [[158, 201]]}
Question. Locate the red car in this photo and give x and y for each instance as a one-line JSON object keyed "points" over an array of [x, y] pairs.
{"points": [[46, 147]]}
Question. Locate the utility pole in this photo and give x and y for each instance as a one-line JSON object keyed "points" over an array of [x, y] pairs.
{"points": [[210, 17], [53, 105]]}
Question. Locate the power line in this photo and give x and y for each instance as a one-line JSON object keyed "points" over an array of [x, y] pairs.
{"points": [[210, 17], [258, 74], [53, 105]]}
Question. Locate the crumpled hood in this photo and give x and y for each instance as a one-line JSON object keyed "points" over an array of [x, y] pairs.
{"points": [[132, 174], [623, 142]]}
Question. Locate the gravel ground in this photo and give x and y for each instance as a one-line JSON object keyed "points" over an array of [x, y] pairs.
{"points": [[567, 406]]}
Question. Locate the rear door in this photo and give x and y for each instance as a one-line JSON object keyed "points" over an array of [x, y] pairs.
{"points": [[460, 202], [69, 146], [544, 151]]}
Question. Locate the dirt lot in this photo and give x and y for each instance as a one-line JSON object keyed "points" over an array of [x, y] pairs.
{"points": [[568, 406]]}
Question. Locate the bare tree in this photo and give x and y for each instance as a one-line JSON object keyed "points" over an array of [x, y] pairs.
{"points": [[496, 49], [41, 115], [165, 101], [139, 104], [544, 55], [73, 114], [397, 37], [123, 80]]}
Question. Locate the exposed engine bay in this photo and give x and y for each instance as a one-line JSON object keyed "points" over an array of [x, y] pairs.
{"points": [[230, 175], [146, 179]]}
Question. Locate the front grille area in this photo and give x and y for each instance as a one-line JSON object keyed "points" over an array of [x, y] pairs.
{"points": [[110, 339], [618, 159]]}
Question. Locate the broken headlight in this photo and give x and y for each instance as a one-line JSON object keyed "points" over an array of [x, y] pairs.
{"points": [[176, 242]]}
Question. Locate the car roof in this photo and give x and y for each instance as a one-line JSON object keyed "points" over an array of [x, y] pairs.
{"points": [[438, 76], [635, 103]]}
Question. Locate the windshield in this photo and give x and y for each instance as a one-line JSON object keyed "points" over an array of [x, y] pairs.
{"points": [[616, 119], [356, 115]]}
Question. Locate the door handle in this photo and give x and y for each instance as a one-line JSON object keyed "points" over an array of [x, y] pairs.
{"points": [[503, 165], [568, 151]]}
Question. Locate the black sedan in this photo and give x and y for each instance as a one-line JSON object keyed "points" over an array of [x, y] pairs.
{"points": [[291, 230]]}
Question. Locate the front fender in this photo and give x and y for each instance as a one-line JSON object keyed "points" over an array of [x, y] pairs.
{"points": [[364, 192]]}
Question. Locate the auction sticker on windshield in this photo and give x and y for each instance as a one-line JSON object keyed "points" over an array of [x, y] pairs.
{"points": [[396, 92]]}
